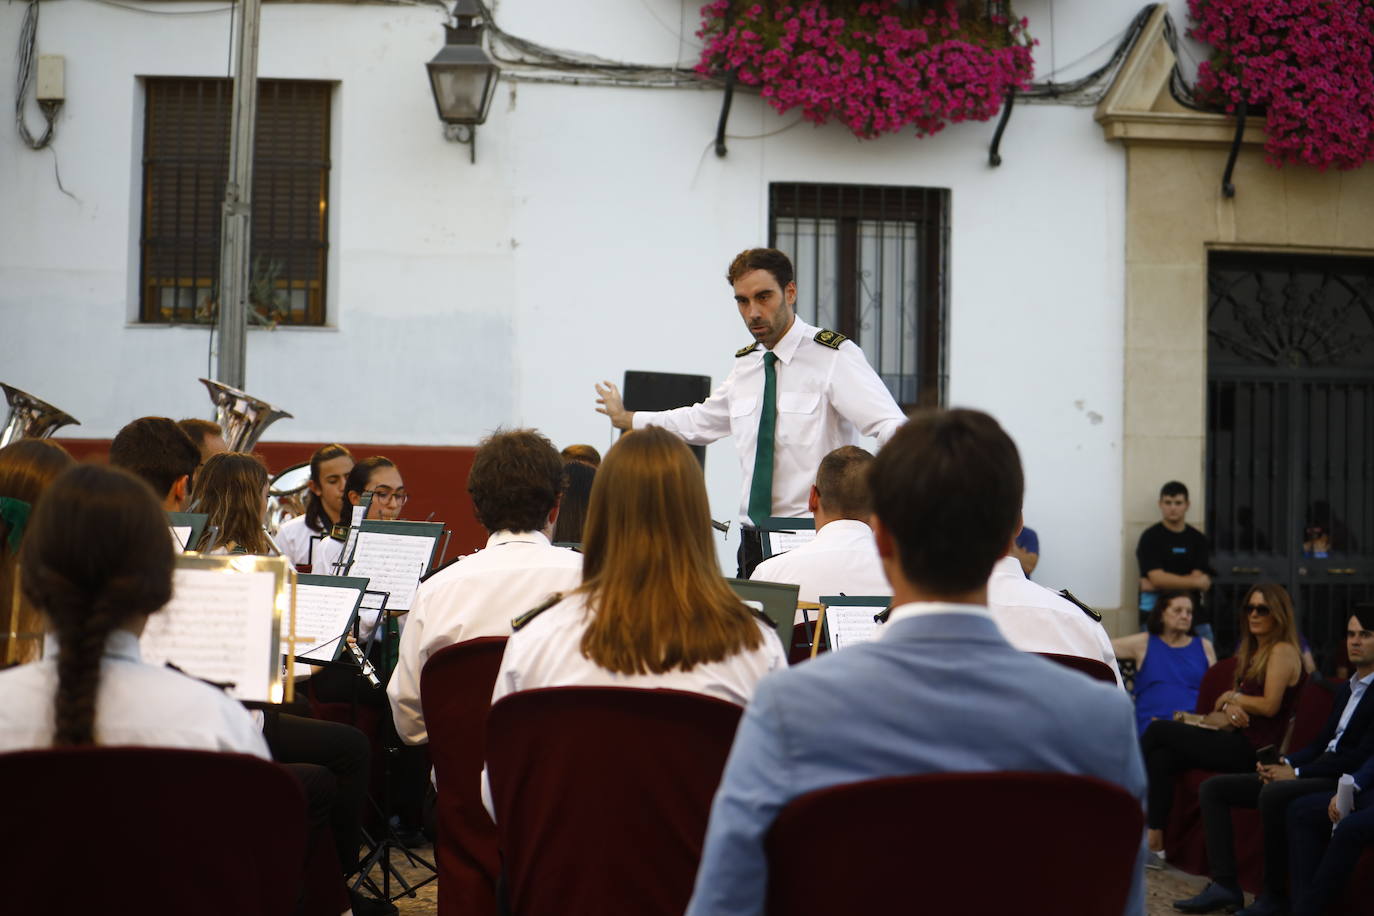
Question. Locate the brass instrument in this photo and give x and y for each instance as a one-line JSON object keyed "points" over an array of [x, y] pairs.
{"points": [[241, 417], [286, 496], [30, 418]]}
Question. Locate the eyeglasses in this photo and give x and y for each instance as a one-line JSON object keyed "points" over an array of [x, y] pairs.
{"points": [[1260, 609], [383, 495]]}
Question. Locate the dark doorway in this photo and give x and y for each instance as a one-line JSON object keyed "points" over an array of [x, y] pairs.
{"points": [[1290, 437]]}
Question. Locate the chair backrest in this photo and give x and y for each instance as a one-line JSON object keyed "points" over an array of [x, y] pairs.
{"points": [[936, 844], [602, 796], [1215, 681], [1309, 714], [455, 694], [188, 831], [1092, 667]]}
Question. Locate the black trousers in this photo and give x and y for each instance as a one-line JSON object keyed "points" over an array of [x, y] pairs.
{"points": [[332, 762], [1220, 794], [1322, 860], [1171, 747]]}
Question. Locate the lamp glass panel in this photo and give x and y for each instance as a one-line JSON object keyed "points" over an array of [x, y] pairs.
{"points": [[460, 93]]}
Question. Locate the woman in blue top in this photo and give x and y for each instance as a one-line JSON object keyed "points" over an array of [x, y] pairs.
{"points": [[1170, 659]]}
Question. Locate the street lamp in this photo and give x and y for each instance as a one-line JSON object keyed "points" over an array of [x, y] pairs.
{"points": [[463, 76]]}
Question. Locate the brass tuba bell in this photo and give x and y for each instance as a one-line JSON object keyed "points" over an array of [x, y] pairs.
{"points": [[30, 418], [241, 417]]}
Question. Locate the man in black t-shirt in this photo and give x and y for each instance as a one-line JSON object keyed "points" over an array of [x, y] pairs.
{"points": [[1174, 555]]}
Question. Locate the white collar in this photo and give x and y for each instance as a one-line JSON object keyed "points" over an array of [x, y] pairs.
{"points": [[787, 347], [517, 537], [927, 608], [120, 644], [1009, 566]]}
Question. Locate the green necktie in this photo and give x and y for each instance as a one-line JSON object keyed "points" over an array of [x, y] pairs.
{"points": [[761, 488]]}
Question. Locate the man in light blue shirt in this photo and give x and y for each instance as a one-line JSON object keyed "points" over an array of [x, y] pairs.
{"points": [[940, 691]]}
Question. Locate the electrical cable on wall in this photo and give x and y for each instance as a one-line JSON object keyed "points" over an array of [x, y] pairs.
{"points": [[28, 38]]}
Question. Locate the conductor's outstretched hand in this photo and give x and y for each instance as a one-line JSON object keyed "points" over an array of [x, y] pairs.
{"points": [[608, 396]]}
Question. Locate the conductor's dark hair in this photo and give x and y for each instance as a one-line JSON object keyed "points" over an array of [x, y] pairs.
{"points": [[515, 481], [1173, 488], [361, 476], [96, 557], [156, 449], [948, 488], [842, 483], [769, 259], [316, 519], [572, 511]]}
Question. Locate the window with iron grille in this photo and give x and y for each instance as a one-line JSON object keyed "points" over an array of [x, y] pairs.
{"points": [[870, 263], [185, 166]]}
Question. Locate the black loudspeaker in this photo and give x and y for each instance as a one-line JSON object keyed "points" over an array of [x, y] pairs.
{"points": [[664, 391]]}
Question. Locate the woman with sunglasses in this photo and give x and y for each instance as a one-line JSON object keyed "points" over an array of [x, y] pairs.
{"points": [[1253, 714]]}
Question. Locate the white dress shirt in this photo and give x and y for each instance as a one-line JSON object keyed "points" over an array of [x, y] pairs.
{"points": [[294, 537], [326, 554], [825, 398], [477, 596], [1035, 619], [136, 704], [841, 560]]}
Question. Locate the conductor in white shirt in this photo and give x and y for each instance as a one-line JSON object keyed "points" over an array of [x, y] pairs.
{"points": [[843, 558], [796, 393], [516, 482]]}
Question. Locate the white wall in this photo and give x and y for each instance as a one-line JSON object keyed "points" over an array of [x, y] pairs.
{"points": [[590, 237]]}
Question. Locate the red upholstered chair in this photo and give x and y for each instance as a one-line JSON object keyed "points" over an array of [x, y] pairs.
{"points": [[602, 796], [94, 829], [1092, 667], [905, 844], [455, 691]]}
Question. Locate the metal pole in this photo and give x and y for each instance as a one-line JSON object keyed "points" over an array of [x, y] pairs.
{"points": [[234, 254]]}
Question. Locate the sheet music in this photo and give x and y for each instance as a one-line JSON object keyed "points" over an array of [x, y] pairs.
{"points": [[218, 627], [393, 563], [851, 625], [323, 613], [783, 541], [181, 534]]}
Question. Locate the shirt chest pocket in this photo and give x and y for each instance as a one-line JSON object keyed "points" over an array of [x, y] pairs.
{"points": [[742, 415], [799, 420]]}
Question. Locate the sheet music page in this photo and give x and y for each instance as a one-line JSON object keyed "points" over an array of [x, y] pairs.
{"points": [[322, 614], [181, 534], [851, 625], [218, 627], [783, 541], [393, 563]]}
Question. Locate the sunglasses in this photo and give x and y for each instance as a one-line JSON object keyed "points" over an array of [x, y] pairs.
{"points": [[1260, 609]]}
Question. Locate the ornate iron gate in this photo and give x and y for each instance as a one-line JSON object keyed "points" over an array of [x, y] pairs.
{"points": [[1290, 437]]}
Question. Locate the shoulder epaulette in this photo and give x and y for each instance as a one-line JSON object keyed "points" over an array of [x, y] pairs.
{"points": [[831, 339], [534, 612], [745, 351], [1069, 596], [762, 618], [339, 532]]}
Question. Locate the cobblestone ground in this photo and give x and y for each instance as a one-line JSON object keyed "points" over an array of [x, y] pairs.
{"points": [[1162, 888]]}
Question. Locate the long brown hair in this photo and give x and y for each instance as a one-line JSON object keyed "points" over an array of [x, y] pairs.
{"points": [[649, 569], [96, 557], [26, 469], [316, 518], [228, 489], [1253, 655]]}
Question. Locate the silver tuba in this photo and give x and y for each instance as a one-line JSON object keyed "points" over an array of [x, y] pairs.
{"points": [[241, 417], [30, 418]]}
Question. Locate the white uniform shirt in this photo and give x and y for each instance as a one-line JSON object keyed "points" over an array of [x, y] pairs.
{"points": [[477, 596], [841, 560], [137, 704], [825, 398], [326, 555], [1035, 619], [294, 538]]}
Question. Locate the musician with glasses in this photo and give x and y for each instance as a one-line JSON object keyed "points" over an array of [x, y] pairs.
{"points": [[377, 476], [1252, 715]]}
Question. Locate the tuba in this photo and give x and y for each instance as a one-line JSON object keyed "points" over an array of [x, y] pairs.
{"points": [[241, 417], [30, 418]]}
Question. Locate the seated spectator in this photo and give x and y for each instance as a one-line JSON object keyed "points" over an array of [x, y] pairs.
{"points": [[583, 454], [572, 508], [1342, 746], [1170, 659], [652, 610], [156, 449], [939, 691], [298, 536], [515, 482], [1034, 619], [1322, 857], [206, 435], [1250, 716], [1026, 549], [231, 489], [377, 476], [26, 468], [96, 565], [842, 559]]}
